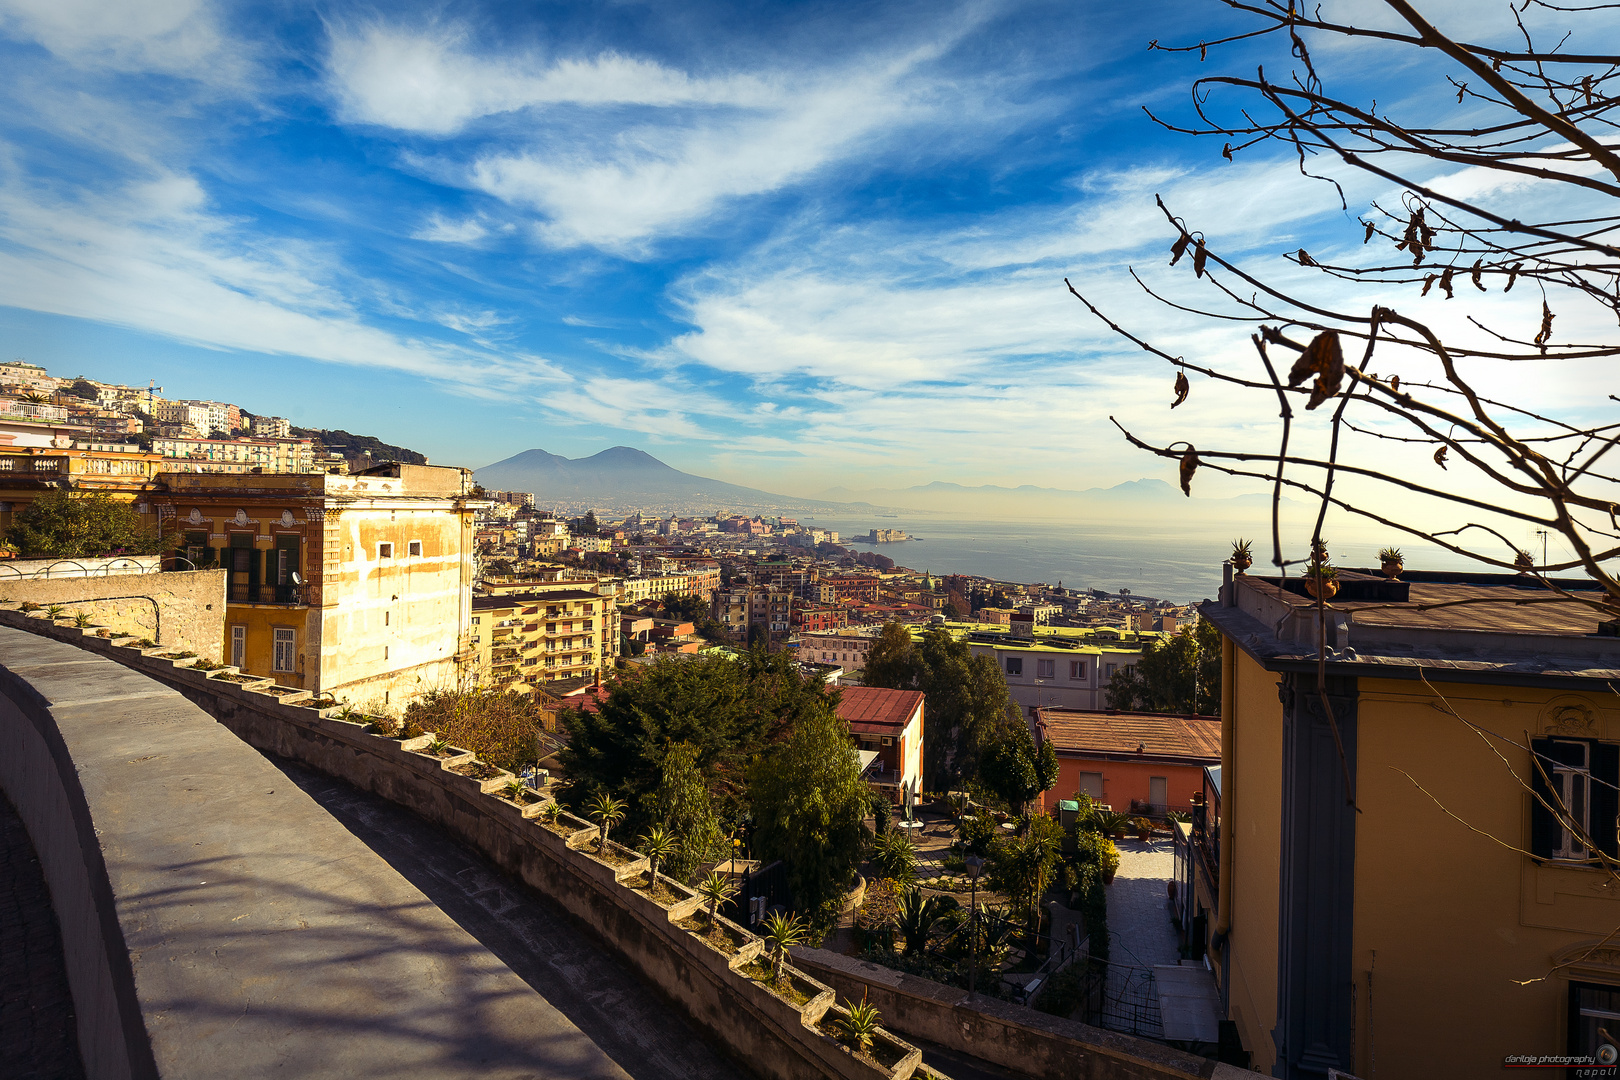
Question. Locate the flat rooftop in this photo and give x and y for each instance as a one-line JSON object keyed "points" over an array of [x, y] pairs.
{"points": [[1494, 625]]}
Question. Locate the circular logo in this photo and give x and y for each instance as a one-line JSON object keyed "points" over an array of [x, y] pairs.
{"points": [[1607, 1054]]}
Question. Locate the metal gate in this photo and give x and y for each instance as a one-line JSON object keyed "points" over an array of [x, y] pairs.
{"points": [[1121, 998]]}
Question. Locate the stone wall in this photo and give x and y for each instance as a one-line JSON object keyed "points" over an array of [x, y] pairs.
{"points": [[781, 1036], [184, 610], [1022, 1039]]}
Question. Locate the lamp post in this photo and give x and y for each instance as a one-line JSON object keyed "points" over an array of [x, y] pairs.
{"points": [[974, 865]]}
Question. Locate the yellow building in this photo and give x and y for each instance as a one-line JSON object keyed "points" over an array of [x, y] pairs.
{"points": [[26, 473], [528, 633], [238, 455], [358, 586], [1445, 921]]}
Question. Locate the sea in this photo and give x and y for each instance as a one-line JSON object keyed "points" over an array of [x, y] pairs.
{"points": [[1176, 561]]}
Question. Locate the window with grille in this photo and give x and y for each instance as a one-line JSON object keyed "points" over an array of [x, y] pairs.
{"points": [[285, 657]]}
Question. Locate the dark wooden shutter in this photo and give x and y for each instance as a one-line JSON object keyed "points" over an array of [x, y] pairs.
{"points": [[1543, 825], [1605, 800]]}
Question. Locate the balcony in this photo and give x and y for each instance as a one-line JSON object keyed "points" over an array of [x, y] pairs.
{"points": [[280, 595]]}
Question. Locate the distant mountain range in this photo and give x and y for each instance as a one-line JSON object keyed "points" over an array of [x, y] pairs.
{"points": [[624, 478]]}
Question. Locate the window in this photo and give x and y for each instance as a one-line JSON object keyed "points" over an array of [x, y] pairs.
{"points": [[1077, 669], [1594, 1014], [1108, 670], [414, 549], [1044, 668], [888, 740], [385, 551], [238, 646], [1582, 774], [1015, 666], [286, 642], [1091, 784]]}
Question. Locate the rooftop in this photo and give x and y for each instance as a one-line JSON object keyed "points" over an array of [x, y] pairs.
{"points": [[1149, 736], [873, 710], [1496, 627]]}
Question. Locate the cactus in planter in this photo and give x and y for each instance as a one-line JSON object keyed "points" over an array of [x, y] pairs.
{"points": [[1242, 559], [658, 845], [54, 611], [716, 889], [783, 931], [608, 812], [1391, 562], [861, 1024], [82, 620]]}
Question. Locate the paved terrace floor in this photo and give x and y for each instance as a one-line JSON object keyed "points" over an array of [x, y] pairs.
{"points": [[279, 923]]}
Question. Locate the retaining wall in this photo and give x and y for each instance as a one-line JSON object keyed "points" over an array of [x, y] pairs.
{"points": [[1019, 1038], [184, 610], [780, 1036]]}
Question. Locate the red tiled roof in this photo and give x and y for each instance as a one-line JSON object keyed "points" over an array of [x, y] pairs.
{"points": [[1196, 739], [872, 710]]}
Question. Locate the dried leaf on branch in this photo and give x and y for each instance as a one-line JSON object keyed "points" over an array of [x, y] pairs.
{"points": [[1183, 388], [1440, 456], [1546, 327], [1199, 255], [1325, 359], [1179, 248], [1445, 282], [1189, 465]]}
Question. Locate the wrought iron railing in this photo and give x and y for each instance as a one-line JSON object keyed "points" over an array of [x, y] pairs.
{"points": [[284, 595]]}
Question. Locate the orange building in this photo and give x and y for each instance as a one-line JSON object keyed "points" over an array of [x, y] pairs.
{"points": [[1142, 762]]}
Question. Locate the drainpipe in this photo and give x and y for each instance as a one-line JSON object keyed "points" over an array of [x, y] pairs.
{"points": [[1223, 906]]}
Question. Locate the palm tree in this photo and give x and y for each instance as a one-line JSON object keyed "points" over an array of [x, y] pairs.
{"points": [[658, 845], [716, 889], [783, 931], [608, 812], [915, 917]]}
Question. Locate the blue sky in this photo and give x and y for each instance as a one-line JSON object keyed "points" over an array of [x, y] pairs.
{"points": [[789, 245]]}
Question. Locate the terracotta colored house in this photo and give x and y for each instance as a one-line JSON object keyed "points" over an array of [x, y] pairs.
{"points": [[1150, 762], [889, 725]]}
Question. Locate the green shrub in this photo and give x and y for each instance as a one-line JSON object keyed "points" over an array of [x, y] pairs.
{"points": [[499, 727]]}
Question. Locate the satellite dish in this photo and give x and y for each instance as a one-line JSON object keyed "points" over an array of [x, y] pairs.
{"points": [[296, 580]]}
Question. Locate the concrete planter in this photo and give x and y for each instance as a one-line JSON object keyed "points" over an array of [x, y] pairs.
{"points": [[468, 785], [608, 871], [889, 1057]]}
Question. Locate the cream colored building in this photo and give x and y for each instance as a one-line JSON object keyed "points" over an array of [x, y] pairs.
{"points": [[239, 455], [358, 586]]}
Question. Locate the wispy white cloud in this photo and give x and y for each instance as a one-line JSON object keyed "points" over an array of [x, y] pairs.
{"points": [[174, 37], [656, 151], [441, 230]]}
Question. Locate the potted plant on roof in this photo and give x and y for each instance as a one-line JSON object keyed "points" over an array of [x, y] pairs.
{"points": [[1391, 563], [1241, 557], [1322, 577]]}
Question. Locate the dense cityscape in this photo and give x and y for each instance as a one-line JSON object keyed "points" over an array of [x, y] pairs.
{"points": [[791, 542]]}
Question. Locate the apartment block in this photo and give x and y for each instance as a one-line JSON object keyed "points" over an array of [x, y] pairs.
{"points": [[271, 427], [528, 633], [242, 455], [186, 414]]}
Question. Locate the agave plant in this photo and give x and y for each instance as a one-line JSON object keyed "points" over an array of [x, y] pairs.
{"points": [[514, 789], [551, 812], [438, 746], [894, 857], [716, 889], [782, 932], [861, 1024], [82, 620], [54, 611], [915, 918], [608, 812], [659, 845], [1390, 554]]}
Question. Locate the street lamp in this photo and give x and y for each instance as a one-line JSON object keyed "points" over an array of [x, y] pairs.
{"points": [[974, 865]]}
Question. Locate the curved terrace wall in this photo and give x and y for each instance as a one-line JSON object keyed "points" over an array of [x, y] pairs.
{"points": [[780, 1036]]}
